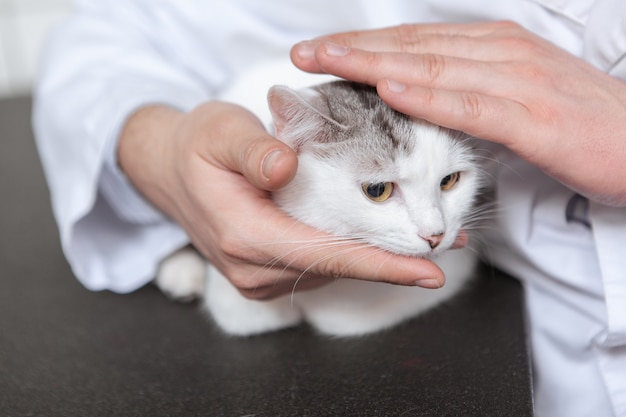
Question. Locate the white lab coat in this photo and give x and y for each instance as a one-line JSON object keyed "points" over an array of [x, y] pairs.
{"points": [[112, 57]]}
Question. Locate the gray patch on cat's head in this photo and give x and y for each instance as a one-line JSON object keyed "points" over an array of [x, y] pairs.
{"points": [[370, 124], [344, 123]]}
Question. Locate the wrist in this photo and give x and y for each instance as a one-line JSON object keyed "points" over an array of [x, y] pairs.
{"points": [[144, 153]]}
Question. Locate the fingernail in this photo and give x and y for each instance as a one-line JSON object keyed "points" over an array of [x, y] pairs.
{"points": [[268, 163], [395, 86], [428, 283], [333, 49], [306, 49]]}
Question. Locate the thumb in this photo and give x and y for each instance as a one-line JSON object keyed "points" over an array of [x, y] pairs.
{"points": [[266, 162], [247, 148]]}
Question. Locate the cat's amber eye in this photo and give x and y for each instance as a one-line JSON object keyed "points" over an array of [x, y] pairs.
{"points": [[449, 181], [379, 191]]}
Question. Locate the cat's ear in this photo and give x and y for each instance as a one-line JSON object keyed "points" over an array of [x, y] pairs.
{"points": [[300, 116]]}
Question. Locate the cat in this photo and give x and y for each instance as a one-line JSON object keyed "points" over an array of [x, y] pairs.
{"points": [[368, 173]]}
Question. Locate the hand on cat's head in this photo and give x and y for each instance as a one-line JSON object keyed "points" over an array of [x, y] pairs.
{"points": [[496, 81]]}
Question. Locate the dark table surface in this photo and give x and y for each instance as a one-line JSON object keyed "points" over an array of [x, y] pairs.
{"points": [[65, 351]]}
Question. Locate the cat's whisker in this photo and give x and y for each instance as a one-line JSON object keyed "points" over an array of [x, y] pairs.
{"points": [[476, 230], [478, 220], [327, 239], [311, 246], [354, 244], [352, 262], [330, 256], [480, 247], [494, 161], [305, 247], [359, 245]]}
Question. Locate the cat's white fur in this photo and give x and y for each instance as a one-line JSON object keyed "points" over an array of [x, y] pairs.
{"points": [[326, 194]]}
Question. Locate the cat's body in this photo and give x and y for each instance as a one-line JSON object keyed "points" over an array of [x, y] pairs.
{"points": [[365, 173]]}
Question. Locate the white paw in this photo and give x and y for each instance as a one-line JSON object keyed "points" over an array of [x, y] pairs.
{"points": [[237, 315], [181, 276]]}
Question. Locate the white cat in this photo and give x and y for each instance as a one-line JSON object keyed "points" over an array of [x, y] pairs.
{"points": [[366, 173]]}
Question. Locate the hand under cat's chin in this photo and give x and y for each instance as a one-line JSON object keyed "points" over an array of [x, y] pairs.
{"points": [[367, 176]]}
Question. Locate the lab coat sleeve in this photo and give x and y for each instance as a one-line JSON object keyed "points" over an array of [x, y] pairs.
{"points": [[111, 58], [106, 61]]}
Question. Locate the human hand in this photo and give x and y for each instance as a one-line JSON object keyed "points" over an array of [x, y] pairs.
{"points": [[211, 170], [499, 82]]}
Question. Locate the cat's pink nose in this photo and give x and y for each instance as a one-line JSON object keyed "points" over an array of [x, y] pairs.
{"points": [[433, 240]]}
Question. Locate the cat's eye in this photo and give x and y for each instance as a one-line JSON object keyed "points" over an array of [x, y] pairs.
{"points": [[449, 181], [379, 191]]}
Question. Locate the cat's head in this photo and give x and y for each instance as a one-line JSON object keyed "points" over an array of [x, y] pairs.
{"points": [[370, 173]]}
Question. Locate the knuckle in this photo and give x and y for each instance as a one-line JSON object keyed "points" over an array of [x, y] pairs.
{"points": [[523, 46], [251, 285], [252, 151], [239, 263], [234, 236], [472, 105], [406, 38], [253, 294], [427, 99], [373, 60], [506, 26], [331, 268], [245, 284], [532, 73], [514, 39], [244, 277], [510, 25], [404, 32], [520, 46], [432, 68], [234, 248]]}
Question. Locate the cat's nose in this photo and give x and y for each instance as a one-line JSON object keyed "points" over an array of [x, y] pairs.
{"points": [[433, 240]]}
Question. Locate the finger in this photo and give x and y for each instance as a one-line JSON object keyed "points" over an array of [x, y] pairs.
{"points": [[492, 118], [302, 55], [435, 71], [471, 41], [467, 44], [390, 38], [303, 265]]}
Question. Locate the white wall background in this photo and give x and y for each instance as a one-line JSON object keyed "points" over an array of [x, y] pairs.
{"points": [[23, 26]]}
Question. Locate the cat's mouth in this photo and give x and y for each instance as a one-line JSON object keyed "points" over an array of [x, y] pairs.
{"points": [[413, 250], [421, 249]]}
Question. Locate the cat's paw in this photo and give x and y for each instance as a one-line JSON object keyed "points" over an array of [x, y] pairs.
{"points": [[181, 276], [240, 316]]}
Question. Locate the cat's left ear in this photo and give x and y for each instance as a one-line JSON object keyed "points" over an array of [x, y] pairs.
{"points": [[300, 116]]}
